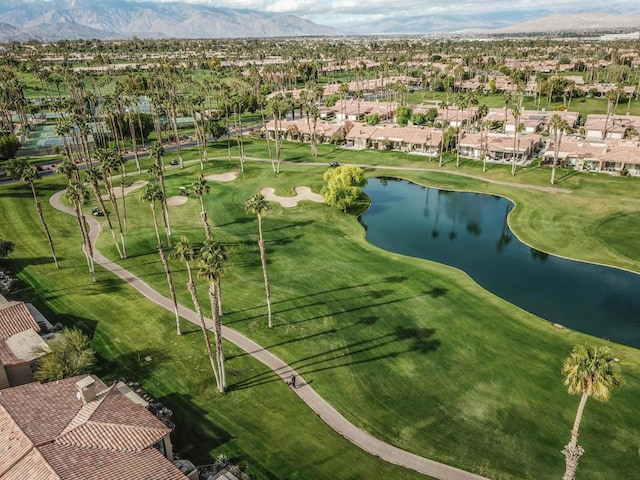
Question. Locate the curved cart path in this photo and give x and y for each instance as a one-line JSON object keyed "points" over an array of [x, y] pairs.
{"points": [[308, 395]]}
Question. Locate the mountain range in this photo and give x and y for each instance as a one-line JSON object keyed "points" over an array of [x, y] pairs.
{"points": [[22, 20], [51, 20]]}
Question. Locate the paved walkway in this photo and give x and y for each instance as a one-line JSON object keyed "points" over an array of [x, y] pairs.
{"points": [[308, 395]]}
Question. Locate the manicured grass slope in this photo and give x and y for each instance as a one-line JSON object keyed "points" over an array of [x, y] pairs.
{"points": [[414, 352], [259, 423]]}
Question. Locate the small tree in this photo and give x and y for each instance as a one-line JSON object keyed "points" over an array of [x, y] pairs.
{"points": [[372, 119], [9, 146], [344, 185], [403, 115], [69, 354]]}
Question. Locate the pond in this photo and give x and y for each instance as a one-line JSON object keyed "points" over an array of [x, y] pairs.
{"points": [[469, 231]]}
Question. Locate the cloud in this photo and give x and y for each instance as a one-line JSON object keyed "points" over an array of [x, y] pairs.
{"points": [[349, 12], [293, 6]]}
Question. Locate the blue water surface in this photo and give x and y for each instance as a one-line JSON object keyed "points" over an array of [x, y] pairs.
{"points": [[469, 231]]}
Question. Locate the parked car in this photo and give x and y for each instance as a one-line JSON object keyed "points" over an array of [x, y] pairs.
{"points": [[334, 164], [96, 212], [173, 162]]}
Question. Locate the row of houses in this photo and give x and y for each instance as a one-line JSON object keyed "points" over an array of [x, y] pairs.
{"points": [[596, 155]]}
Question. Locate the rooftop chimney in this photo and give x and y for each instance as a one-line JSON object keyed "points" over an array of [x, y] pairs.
{"points": [[86, 389]]}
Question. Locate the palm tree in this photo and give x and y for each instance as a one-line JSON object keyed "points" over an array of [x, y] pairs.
{"points": [[153, 194], [20, 168], [277, 107], [201, 188], [186, 253], [77, 194], [157, 171], [211, 263], [516, 115], [121, 162], [108, 165], [93, 176], [557, 126], [590, 372], [69, 170], [462, 104], [259, 206]]}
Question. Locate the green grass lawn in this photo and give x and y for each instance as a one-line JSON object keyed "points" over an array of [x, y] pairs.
{"points": [[414, 352]]}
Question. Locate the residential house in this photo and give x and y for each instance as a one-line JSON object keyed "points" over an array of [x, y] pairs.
{"points": [[419, 140], [356, 110], [300, 130], [499, 147], [79, 429], [20, 343], [616, 126], [595, 155], [532, 121]]}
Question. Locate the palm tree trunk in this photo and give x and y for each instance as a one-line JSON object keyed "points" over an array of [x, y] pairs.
{"points": [[174, 121], [573, 451], [124, 201], [114, 203], [167, 271], [191, 286], [86, 249], [219, 290], [134, 142], [217, 335], [96, 192], [267, 288], [44, 224], [266, 135]]}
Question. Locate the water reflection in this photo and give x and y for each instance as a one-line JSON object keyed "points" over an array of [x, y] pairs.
{"points": [[470, 231]]}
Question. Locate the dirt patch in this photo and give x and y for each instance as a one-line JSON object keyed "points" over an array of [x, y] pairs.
{"points": [[302, 193], [223, 177], [177, 200]]}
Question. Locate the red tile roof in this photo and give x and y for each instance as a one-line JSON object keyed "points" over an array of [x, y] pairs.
{"points": [[73, 464], [52, 435], [15, 318]]}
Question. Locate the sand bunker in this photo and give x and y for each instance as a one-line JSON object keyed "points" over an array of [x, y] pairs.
{"points": [[223, 177], [117, 191], [302, 193], [177, 200]]}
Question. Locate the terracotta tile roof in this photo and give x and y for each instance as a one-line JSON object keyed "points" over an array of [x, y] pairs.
{"points": [[73, 464], [33, 467], [14, 444], [15, 318], [51, 435], [43, 411], [6, 355], [114, 437], [117, 408]]}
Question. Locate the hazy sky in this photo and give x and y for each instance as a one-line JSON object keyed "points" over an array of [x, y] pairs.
{"points": [[344, 12]]}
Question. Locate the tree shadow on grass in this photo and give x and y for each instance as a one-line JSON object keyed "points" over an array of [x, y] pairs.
{"points": [[318, 303], [288, 225], [350, 310], [15, 265], [567, 176], [238, 221], [418, 340], [405, 339], [138, 366], [194, 434], [436, 292]]}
